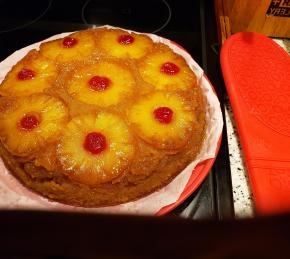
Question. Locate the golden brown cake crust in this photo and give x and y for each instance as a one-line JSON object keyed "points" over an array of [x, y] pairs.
{"points": [[149, 169]]}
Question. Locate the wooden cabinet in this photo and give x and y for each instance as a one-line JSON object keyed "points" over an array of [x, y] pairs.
{"points": [[269, 17]]}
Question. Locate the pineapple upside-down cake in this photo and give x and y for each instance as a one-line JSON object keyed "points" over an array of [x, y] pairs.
{"points": [[100, 117]]}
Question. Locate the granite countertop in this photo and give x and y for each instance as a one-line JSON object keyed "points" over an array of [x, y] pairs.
{"points": [[243, 199]]}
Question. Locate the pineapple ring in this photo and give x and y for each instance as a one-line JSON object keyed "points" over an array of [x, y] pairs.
{"points": [[170, 132], [31, 75], [120, 83], [121, 44], [93, 168], [77, 46], [165, 70], [30, 123]]}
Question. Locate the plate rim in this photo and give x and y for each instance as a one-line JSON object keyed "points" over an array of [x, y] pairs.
{"points": [[198, 175]]}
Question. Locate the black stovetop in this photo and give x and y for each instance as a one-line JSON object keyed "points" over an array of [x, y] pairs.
{"points": [[189, 23]]}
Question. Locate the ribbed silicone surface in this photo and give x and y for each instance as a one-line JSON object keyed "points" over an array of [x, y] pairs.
{"points": [[257, 76]]}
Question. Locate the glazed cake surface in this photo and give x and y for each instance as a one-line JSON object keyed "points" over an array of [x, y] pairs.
{"points": [[100, 117]]}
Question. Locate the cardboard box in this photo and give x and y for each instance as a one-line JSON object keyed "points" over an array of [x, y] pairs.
{"points": [[269, 17]]}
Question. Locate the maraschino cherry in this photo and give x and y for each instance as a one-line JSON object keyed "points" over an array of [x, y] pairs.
{"points": [[95, 143], [163, 115], [99, 83], [29, 122], [169, 68]]}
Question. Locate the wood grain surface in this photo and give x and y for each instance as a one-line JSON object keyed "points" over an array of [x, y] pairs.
{"points": [[250, 15]]}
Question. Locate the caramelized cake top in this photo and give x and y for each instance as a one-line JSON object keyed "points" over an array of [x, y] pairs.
{"points": [[100, 117]]}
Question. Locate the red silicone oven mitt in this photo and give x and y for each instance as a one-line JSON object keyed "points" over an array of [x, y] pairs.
{"points": [[257, 76]]}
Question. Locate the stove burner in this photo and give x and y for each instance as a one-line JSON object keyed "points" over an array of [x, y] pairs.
{"points": [[146, 16], [15, 15]]}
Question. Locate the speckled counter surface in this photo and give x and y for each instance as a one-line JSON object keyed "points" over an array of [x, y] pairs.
{"points": [[243, 201]]}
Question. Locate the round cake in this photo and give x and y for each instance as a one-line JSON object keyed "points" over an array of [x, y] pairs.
{"points": [[100, 117]]}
